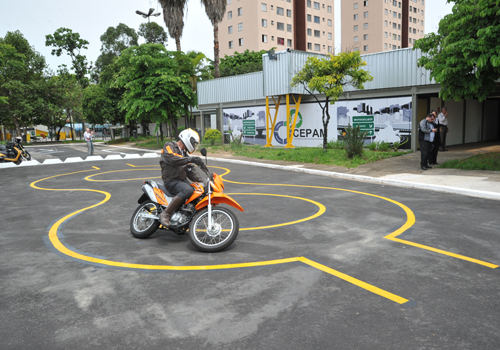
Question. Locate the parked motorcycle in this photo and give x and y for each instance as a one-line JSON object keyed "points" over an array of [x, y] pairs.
{"points": [[210, 228], [14, 152]]}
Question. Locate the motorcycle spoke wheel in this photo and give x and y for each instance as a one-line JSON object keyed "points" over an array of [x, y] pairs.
{"points": [[141, 226], [223, 232]]}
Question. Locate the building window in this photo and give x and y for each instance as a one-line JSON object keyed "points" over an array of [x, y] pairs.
{"points": [[394, 3], [272, 37], [289, 13], [394, 25], [394, 47], [329, 22], [281, 41], [365, 3], [356, 48], [399, 4], [289, 42], [309, 3], [365, 37], [264, 23], [399, 26], [355, 17], [289, 28], [394, 37], [330, 10], [240, 27], [414, 31], [409, 40], [229, 1], [411, 8], [330, 36], [240, 41], [355, 39], [264, 38], [316, 19], [316, 5], [264, 7], [309, 31], [229, 14], [355, 29], [317, 33], [385, 23], [385, 46], [240, 11], [309, 18], [365, 48], [385, 34], [272, 7], [280, 11], [395, 14], [317, 47], [386, 12], [365, 25], [309, 46], [355, 5], [330, 49], [230, 30], [231, 44], [280, 26]]}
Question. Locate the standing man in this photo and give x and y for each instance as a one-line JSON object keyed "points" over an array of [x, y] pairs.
{"points": [[443, 122], [87, 136], [437, 141], [426, 132], [175, 169]]}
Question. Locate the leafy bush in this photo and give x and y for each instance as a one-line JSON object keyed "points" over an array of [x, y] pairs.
{"points": [[213, 136], [335, 144], [379, 146], [235, 139], [354, 140], [373, 146], [396, 145], [132, 139], [384, 146]]}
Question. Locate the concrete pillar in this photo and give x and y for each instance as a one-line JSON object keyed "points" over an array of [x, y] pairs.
{"points": [[414, 121]]}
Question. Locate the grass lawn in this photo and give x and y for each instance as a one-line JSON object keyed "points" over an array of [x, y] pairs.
{"points": [[487, 161], [313, 155]]}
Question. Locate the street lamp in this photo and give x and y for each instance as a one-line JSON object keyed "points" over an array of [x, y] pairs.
{"points": [[149, 14]]}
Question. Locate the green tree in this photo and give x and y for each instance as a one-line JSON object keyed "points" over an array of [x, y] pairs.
{"points": [[241, 63], [329, 76], [173, 15], [64, 40], [464, 55], [153, 33], [97, 107], [157, 88], [215, 10], [21, 74]]}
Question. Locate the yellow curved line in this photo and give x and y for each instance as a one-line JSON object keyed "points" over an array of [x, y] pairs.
{"points": [[392, 236]]}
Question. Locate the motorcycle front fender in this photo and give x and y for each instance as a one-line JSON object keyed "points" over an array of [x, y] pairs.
{"points": [[219, 198]]}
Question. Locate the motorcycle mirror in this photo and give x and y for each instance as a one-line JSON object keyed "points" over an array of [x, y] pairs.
{"points": [[203, 152]]}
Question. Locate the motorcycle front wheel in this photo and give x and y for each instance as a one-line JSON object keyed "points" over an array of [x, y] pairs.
{"points": [[141, 226], [27, 156], [223, 232]]}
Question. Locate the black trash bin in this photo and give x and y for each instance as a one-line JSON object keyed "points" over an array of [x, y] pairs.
{"points": [[134, 133], [227, 138]]}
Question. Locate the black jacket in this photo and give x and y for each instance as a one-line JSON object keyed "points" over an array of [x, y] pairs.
{"points": [[174, 163]]}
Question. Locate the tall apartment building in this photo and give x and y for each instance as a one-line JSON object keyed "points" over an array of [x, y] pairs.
{"points": [[381, 25], [261, 25]]}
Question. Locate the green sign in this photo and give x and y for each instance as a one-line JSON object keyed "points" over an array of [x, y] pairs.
{"points": [[365, 123], [249, 127]]}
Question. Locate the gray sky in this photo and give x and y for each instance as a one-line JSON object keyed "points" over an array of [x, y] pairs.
{"points": [[91, 18]]}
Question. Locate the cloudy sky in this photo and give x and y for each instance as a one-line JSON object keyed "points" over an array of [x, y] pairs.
{"points": [[91, 18]]}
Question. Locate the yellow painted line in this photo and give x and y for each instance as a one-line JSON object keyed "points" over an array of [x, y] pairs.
{"points": [[392, 236], [355, 281], [143, 166], [64, 250]]}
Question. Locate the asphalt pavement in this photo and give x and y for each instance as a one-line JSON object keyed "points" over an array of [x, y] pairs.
{"points": [[322, 260]]}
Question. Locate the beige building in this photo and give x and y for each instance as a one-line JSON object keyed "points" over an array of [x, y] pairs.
{"points": [[261, 25], [381, 25]]}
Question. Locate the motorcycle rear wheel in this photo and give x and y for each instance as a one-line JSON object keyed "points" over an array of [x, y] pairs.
{"points": [[225, 229], [142, 227]]}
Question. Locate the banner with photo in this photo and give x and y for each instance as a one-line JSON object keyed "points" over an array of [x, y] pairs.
{"points": [[386, 119]]}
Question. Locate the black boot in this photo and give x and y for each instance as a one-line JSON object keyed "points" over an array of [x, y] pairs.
{"points": [[167, 213]]}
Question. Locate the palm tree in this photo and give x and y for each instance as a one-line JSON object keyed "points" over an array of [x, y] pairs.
{"points": [[173, 15], [215, 10]]}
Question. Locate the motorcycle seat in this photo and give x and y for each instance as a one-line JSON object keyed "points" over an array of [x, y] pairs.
{"points": [[164, 189]]}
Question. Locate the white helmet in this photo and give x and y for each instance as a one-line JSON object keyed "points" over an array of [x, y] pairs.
{"points": [[190, 139]]}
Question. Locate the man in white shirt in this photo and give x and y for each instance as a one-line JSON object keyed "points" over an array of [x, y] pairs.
{"points": [[443, 123], [88, 136]]}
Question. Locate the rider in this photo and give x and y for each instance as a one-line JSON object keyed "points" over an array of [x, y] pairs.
{"points": [[174, 170]]}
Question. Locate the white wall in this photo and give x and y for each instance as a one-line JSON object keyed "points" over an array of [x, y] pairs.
{"points": [[455, 122], [473, 121]]}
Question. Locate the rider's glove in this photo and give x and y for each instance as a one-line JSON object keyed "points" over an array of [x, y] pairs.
{"points": [[196, 160]]}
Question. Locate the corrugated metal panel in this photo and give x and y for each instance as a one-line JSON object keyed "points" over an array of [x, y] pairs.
{"points": [[391, 69], [229, 89]]}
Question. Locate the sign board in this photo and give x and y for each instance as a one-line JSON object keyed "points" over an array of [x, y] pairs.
{"points": [[365, 123], [249, 127]]}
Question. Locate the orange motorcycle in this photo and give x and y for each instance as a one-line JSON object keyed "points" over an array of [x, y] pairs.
{"points": [[14, 152], [210, 228]]}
